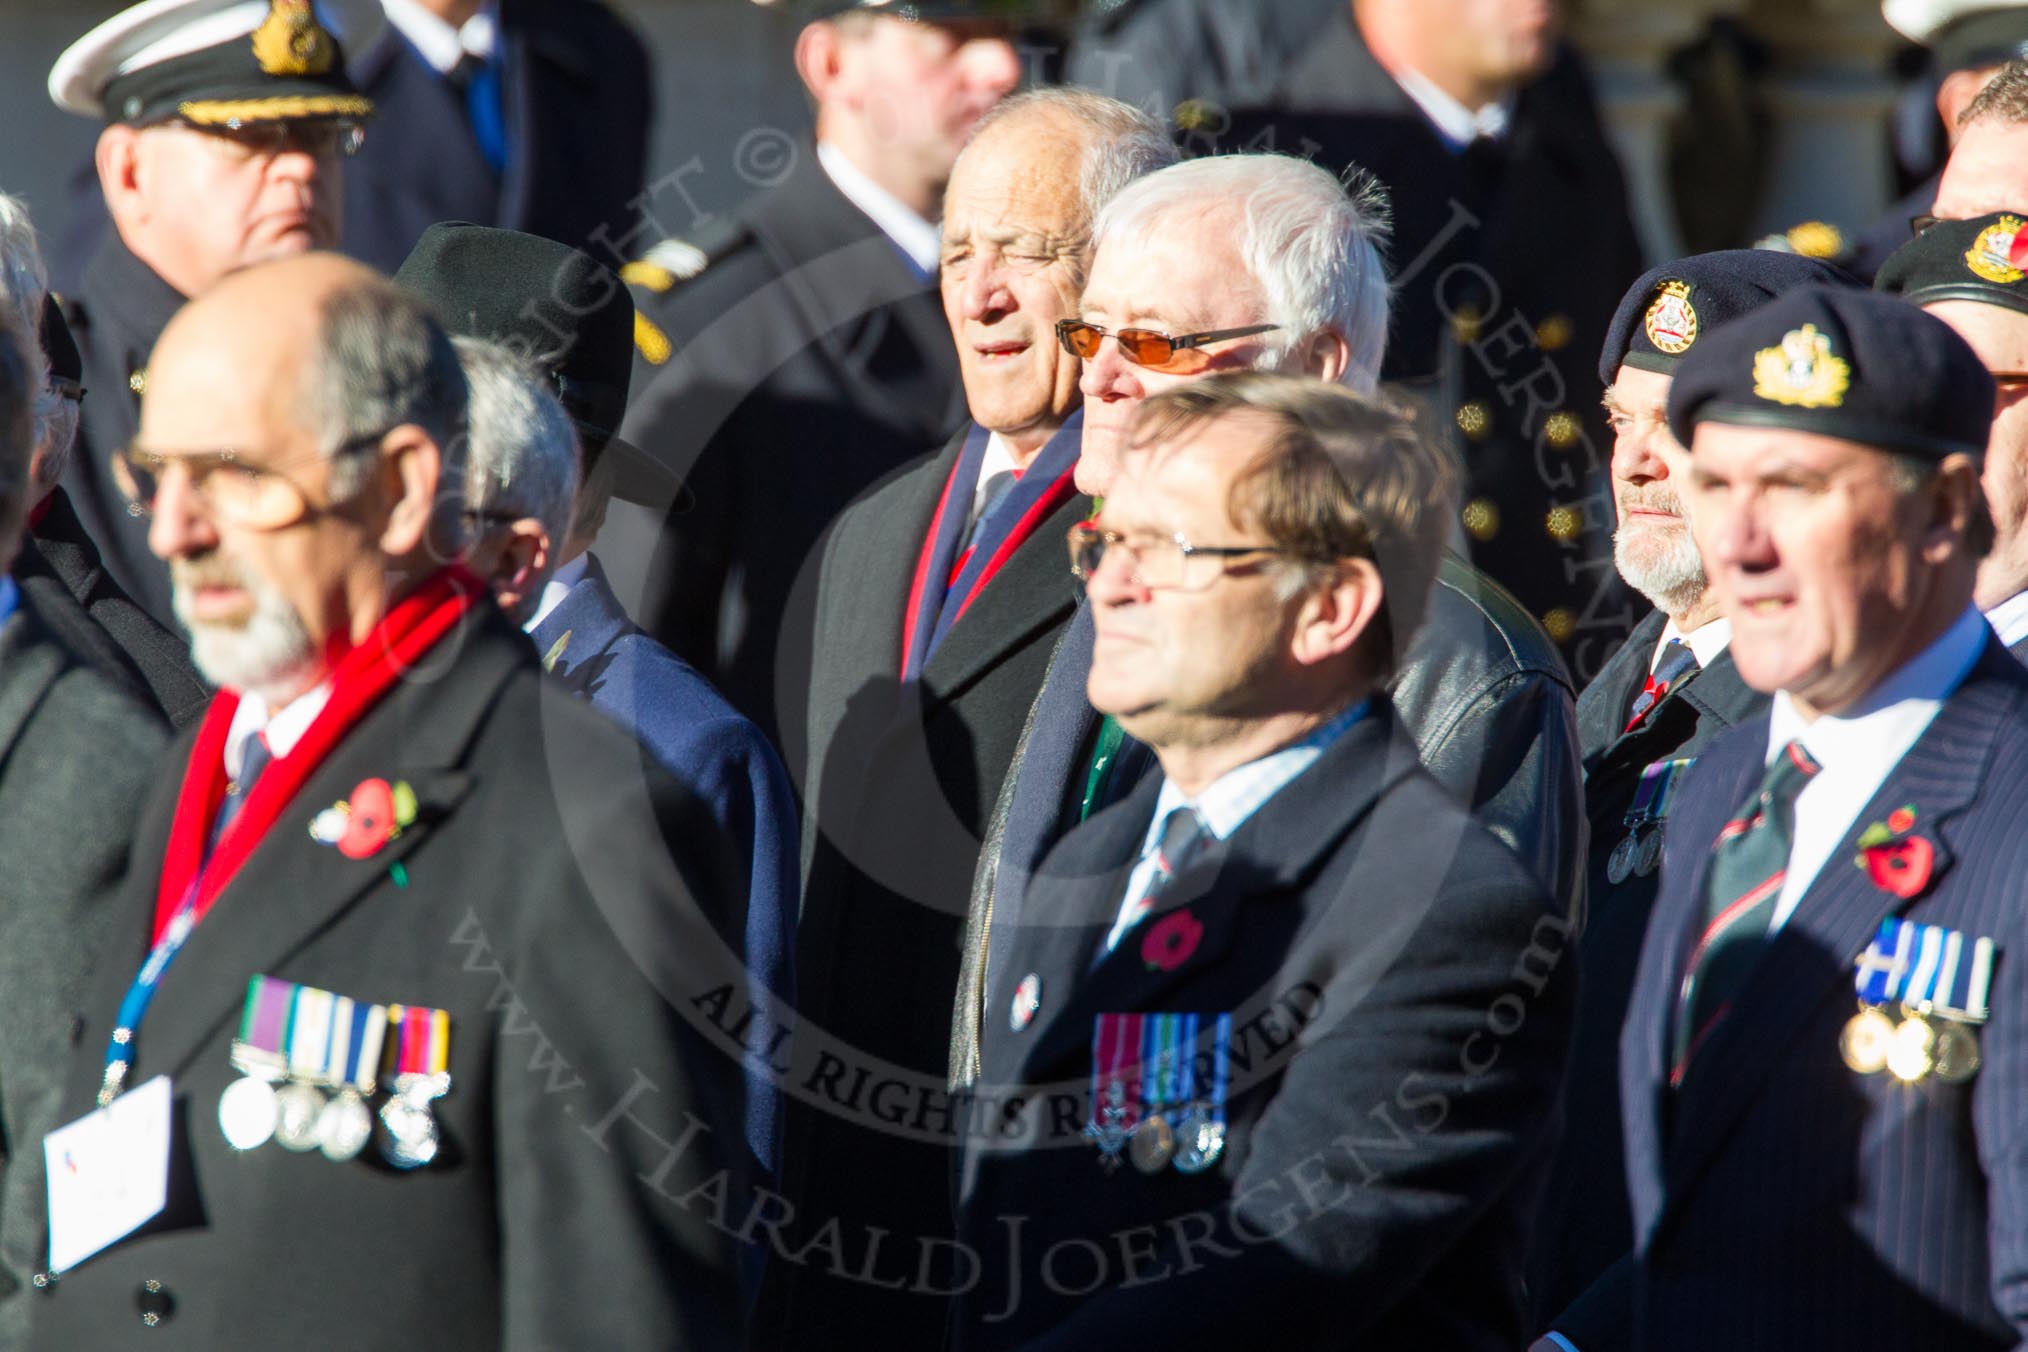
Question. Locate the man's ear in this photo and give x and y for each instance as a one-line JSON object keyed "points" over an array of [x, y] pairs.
{"points": [[1958, 499], [520, 567], [820, 58], [409, 470], [1338, 613], [1324, 354], [118, 161]]}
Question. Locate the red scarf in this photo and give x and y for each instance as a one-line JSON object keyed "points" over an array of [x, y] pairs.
{"points": [[358, 680]]}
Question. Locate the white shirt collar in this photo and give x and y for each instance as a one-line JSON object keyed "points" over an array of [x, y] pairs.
{"points": [[1707, 640], [553, 591], [283, 728], [999, 460], [914, 236], [440, 44], [2010, 618], [1457, 124], [1911, 693], [1859, 748]]}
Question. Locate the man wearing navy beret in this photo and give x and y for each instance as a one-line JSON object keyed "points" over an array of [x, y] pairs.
{"points": [[1653, 707], [1822, 1065], [1973, 275]]}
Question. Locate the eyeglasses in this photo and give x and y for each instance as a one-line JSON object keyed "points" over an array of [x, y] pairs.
{"points": [[1143, 347], [1172, 564], [253, 497], [1918, 226], [324, 138]]}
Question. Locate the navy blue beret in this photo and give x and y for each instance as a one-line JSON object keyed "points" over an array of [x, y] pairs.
{"points": [[1983, 259], [1664, 313], [1841, 363]]}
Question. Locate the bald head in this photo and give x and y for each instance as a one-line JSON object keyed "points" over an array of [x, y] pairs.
{"points": [[304, 429]]}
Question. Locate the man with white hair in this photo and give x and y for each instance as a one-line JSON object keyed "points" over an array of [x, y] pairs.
{"points": [[59, 568], [938, 603], [1264, 262], [520, 474], [78, 755]]}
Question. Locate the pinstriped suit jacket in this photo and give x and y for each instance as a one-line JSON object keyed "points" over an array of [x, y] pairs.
{"points": [[1780, 1199]]}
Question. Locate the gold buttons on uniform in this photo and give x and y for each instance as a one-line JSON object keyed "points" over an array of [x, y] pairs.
{"points": [[1473, 419], [1554, 332], [1465, 322], [1562, 429], [1482, 519], [137, 381], [1560, 623], [1565, 523]]}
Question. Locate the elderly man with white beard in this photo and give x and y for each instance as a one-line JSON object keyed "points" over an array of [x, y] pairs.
{"points": [[1651, 709]]}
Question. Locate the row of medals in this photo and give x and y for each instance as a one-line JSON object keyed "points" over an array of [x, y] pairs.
{"points": [[1914, 1047], [1640, 852], [1193, 1144], [298, 1116]]}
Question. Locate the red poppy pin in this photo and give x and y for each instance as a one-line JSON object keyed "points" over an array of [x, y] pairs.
{"points": [[374, 814], [1895, 860], [1171, 940]]}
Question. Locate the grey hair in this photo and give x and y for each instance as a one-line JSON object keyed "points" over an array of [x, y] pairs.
{"points": [[382, 361], [521, 450], [17, 424], [24, 282], [1125, 143], [1311, 243]]}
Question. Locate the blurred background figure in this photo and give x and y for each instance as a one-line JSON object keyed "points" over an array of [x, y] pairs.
{"points": [[58, 566], [528, 114], [224, 127], [1512, 239], [794, 352], [1967, 42], [1988, 168]]}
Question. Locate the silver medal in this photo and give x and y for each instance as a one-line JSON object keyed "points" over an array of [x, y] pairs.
{"points": [[345, 1126], [247, 1113], [1200, 1140], [410, 1140], [1650, 856], [1621, 863], [298, 1107]]}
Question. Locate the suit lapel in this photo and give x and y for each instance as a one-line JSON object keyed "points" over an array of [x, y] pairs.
{"points": [[1272, 854], [1031, 592], [28, 666], [1835, 918], [292, 888]]}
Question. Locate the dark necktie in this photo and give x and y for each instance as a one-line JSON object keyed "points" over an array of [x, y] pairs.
{"points": [[1748, 865], [479, 81], [1676, 663], [254, 759], [1183, 835]]}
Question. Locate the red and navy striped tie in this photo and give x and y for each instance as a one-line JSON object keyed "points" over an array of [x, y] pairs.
{"points": [[1748, 866], [1675, 663]]}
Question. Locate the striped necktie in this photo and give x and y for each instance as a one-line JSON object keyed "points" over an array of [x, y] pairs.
{"points": [[1183, 835], [1748, 866], [1675, 663]]}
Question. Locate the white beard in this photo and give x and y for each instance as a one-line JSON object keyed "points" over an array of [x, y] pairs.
{"points": [[1665, 568], [265, 656]]}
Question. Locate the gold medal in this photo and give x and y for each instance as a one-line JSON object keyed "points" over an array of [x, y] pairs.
{"points": [[1152, 1145], [1956, 1053], [1908, 1056], [1867, 1038]]}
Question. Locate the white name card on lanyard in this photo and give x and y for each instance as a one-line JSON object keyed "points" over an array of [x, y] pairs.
{"points": [[108, 1173]]}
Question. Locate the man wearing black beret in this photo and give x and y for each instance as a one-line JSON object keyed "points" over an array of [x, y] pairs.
{"points": [[1973, 275], [1822, 1063], [1651, 710]]}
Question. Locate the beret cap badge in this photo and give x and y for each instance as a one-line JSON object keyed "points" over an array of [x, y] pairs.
{"points": [[290, 41], [1801, 372], [1671, 321], [1996, 254]]}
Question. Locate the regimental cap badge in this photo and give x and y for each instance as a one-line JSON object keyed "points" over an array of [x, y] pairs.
{"points": [[290, 41], [1671, 322], [1999, 253], [1802, 372]]}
